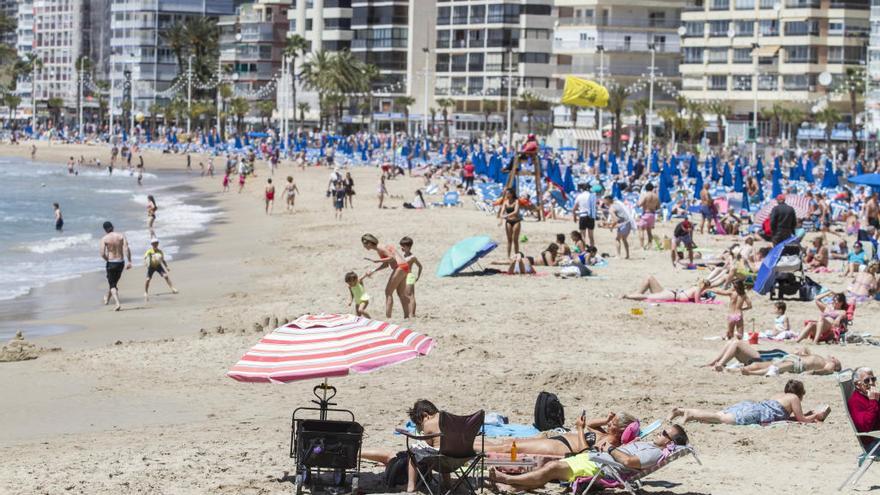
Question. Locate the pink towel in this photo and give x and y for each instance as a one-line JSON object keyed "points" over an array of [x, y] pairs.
{"points": [[673, 301]]}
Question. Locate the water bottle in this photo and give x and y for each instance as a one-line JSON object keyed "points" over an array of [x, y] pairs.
{"points": [[513, 451]]}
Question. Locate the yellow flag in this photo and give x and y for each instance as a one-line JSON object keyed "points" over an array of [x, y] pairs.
{"points": [[583, 93]]}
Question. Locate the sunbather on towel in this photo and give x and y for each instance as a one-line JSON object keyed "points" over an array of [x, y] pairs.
{"points": [[651, 290], [744, 353], [801, 361], [780, 407], [425, 415], [593, 434], [632, 457]]}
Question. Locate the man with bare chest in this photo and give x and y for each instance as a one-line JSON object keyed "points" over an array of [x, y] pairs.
{"points": [[114, 250]]}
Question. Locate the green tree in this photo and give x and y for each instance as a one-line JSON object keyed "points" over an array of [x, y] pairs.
{"points": [[403, 103], [303, 107], [616, 105], [11, 102], [295, 47], [445, 105], [155, 109], [55, 105], [489, 107], [793, 118], [530, 102], [640, 111], [239, 107], [854, 85], [721, 112], [829, 117], [265, 108], [696, 124], [433, 112]]}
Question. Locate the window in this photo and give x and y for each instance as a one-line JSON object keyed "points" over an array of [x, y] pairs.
{"points": [[744, 28], [803, 4], [768, 82], [718, 28], [802, 28], [459, 38], [718, 83], [530, 9], [458, 86], [442, 16], [476, 38], [846, 54], [475, 85], [657, 19], [795, 82], [801, 54], [534, 58], [768, 4], [441, 86], [742, 83], [769, 27], [460, 15], [442, 64], [694, 28], [494, 62], [742, 55], [718, 55], [337, 23], [443, 38], [720, 5], [475, 62], [478, 14], [459, 63], [745, 4], [536, 34], [693, 55]]}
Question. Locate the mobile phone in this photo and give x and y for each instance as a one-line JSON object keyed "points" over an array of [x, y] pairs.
{"points": [[584, 414]]}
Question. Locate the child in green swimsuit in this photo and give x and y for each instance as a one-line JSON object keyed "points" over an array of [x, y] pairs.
{"points": [[359, 296], [406, 246]]}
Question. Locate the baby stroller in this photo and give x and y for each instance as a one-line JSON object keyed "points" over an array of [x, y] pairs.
{"points": [[788, 277], [323, 444]]}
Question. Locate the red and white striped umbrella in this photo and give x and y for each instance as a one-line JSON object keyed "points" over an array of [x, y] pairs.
{"points": [[322, 346], [801, 205]]}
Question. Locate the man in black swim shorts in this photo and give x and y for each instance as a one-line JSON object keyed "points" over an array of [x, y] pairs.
{"points": [[114, 250]]}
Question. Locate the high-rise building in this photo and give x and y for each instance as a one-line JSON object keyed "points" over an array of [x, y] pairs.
{"points": [[252, 43], [396, 37], [754, 53], [138, 47], [58, 27], [611, 41], [24, 44], [9, 10], [872, 96], [484, 48]]}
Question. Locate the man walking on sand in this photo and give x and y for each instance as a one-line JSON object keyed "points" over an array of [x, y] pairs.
{"points": [[114, 250]]}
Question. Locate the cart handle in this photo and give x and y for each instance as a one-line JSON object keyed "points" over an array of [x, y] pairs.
{"points": [[327, 392]]}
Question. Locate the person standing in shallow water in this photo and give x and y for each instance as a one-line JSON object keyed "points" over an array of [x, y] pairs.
{"points": [[59, 219]]}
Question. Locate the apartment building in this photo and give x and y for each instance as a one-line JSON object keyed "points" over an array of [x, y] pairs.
{"points": [[252, 43], [137, 46], [9, 9], [612, 40], [58, 27], [396, 36], [743, 51], [872, 104], [482, 49]]}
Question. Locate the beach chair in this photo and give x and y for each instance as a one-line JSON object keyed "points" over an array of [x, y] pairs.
{"points": [[611, 477], [452, 198], [455, 456], [869, 454]]}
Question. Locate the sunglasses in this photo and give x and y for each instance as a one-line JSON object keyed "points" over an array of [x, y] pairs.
{"points": [[666, 435], [870, 380]]}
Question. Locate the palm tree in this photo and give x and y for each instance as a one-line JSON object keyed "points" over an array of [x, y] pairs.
{"points": [[854, 84], [225, 91], [721, 111], [154, 109], [530, 102], [445, 105], [303, 107], [433, 112], [55, 105], [240, 108], [174, 37], [316, 75], [830, 117], [774, 114], [11, 101], [616, 104], [696, 124], [295, 47], [265, 108], [640, 110], [489, 106], [403, 103], [369, 74], [793, 118], [675, 124]]}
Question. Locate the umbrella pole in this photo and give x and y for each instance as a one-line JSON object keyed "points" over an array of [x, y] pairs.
{"points": [[324, 405]]}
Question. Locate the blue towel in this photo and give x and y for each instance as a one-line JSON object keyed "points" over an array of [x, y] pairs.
{"points": [[495, 431]]}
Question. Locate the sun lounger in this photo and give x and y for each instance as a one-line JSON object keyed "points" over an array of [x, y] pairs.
{"points": [[869, 454], [611, 477]]}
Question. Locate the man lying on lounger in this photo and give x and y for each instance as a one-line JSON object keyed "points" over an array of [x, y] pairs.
{"points": [[631, 457], [775, 361]]}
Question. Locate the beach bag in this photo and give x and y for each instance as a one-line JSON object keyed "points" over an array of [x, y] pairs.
{"points": [[809, 289], [549, 412]]}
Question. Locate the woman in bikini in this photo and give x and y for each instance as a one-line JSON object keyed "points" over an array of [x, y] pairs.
{"points": [[739, 302], [389, 256], [151, 211], [832, 320], [510, 210], [651, 290], [864, 284], [594, 434]]}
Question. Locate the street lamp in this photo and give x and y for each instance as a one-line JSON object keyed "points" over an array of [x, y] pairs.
{"points": [[427, 53], [600, 49], [510, 53], [653, 47]]}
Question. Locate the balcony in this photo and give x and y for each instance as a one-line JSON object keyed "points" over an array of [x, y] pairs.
{"points": [[614, 46], [621, 23]]}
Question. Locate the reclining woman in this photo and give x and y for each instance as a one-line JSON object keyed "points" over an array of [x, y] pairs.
{"points": [[832, 320], [651, 290], [781, 407], [632, 457], [865, 283], [593, 434]]}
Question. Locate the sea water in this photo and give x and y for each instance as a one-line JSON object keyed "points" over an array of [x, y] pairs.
{"points": [[33, 253]]}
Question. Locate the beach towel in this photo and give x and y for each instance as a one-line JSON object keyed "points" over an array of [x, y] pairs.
{"points": [[672, 301], [495, 430]]}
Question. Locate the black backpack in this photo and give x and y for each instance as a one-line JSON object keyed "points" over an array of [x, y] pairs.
{"points": [[549, 412]]}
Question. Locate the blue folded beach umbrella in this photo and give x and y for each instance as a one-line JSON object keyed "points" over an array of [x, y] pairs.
{"points": [[698, 186], [715, 174], [766, 277], [665, 197], [237, 143], [615, 169], [760, 196], [693, 170], [776, 187], [872, 180], [463, 254], [794, 173], [808, 171], [726, 179], [738, 178], [759, 169], [568, 181], [777, 164], [860, 170], [829, 181], [745, 201], [603, 167], [615, 190], [655, 162], [629, 166]]}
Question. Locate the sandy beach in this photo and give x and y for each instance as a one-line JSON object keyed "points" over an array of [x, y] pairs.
{"points": [[138, 401]]}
